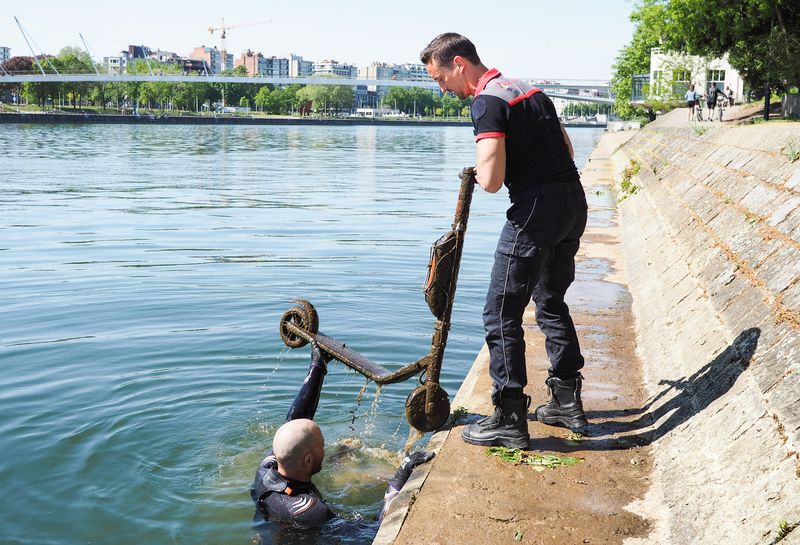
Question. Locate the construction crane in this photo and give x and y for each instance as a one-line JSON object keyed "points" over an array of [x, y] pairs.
{"points": [[223, 33]]}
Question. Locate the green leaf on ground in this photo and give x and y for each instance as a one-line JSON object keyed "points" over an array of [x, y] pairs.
{"points": [[457, 413], [539, 462], [575, 436]]}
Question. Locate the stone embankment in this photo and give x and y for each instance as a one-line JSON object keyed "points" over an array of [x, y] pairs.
{"points": [[712, 243]]}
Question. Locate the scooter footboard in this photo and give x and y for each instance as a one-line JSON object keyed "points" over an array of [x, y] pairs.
{"points": [[298, 328]]}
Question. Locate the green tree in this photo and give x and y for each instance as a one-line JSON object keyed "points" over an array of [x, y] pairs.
{"points": [[396, 98], [634, 58], [72, 60], [327, 98], [761, 37]]}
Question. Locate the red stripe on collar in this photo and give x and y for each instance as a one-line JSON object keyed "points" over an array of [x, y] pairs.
{"points": [[485, 79]]}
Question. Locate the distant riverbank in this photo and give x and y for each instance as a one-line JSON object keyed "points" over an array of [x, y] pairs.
{"points": [[150, 119]]}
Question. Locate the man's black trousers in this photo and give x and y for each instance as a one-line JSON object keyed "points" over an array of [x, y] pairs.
{"points": [[535, 258]]}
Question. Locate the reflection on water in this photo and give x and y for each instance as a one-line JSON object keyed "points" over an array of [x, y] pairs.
{"points": [[143, 271]]}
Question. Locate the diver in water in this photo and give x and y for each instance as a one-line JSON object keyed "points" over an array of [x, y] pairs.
{"points": [[287, 502]]}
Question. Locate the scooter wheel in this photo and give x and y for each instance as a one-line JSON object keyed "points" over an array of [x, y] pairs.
{"points": [[303, 316], [415, 408]]}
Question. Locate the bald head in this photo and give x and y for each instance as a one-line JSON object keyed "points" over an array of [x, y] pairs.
{"points": [[299, 447]]}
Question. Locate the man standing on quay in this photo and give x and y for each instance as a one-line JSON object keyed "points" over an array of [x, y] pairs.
{"points": [[522, 144]]}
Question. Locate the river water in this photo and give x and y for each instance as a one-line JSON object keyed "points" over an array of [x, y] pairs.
{"points": [[143, 272]]}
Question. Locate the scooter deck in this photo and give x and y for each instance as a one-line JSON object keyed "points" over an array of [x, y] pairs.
{"points": [[356, 361], [348, 356]]}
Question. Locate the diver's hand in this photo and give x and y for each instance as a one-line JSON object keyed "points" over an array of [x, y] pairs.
{"points": [[319, 356], [407, 466]]}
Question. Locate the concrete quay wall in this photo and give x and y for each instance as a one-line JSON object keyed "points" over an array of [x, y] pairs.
{"points": [[712, 244]]}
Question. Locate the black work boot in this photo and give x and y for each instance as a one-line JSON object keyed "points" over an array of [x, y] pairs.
{"points": [[507, 427], [565, 407]]}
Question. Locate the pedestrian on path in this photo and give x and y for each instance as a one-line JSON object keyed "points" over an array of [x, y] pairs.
{"points": [[691, 100], [711, 100], [521, 144]]}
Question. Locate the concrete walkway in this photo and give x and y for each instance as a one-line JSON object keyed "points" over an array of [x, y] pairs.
{"points": [[466, 496]]}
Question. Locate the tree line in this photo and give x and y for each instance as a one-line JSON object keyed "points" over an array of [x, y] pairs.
{"points": [[194, 96], [761, 38]]}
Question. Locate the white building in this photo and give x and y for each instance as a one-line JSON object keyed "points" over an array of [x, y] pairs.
{"points": [[335, 68], [299, 68], [382, 70], [165, 56], [672, 73], [115, 65], [5, 54]]}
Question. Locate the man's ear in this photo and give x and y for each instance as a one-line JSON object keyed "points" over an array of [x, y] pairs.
{"points": [[458, 60], [308, 460]]}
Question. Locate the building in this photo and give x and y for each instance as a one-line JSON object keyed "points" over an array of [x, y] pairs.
{"points": [[369, 96], [259, 65], [213, 58], [198, 66], [115, 65], [336, 69], [137, 52], [5, 54], [165, 56], [411, 72], [671, 74], [299, 68]]}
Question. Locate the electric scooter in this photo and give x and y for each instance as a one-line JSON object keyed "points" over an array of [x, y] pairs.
{"points": [[428, 405]]}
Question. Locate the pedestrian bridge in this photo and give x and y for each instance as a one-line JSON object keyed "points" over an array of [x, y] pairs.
{"points": [[566, 90]]}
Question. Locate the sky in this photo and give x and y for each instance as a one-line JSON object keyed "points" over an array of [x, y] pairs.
{"points": [[542, 39]]}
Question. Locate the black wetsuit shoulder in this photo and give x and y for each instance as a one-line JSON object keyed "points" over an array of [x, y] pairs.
{"points": [[279, 499]]}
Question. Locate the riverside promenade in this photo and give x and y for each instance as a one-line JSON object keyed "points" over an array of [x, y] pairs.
{"points": [[686, 302]]}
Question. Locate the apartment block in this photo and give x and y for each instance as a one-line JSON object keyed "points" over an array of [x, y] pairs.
{"points": [[299, 68], [259, 65], [335, 68], [213, 58]]}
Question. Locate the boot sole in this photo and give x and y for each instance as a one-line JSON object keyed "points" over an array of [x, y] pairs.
{"points": [[563, 422], [508, 442]]}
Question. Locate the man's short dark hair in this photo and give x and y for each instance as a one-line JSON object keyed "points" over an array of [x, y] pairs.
{"points": [[444, 47]]}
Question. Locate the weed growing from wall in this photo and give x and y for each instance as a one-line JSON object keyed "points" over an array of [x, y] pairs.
{"points": [[626, 185], [792, 151]]}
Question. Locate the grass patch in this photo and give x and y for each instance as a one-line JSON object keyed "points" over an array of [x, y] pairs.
{"points": [[784, 529], [699, 130], [792, 151], [457, 413], [539, 462], [575, 437]]}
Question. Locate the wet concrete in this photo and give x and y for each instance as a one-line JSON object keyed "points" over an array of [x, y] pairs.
{"points": [[465, 496]]}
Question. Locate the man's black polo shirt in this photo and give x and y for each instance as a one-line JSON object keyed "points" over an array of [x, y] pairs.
{"points": [[535, 149]]}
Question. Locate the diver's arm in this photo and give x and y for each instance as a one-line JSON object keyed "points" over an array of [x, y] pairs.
{"points": [[402, 474], [305, 403]]}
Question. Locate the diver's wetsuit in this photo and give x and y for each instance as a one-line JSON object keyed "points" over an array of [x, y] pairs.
{"points": [[277, 498], [293, 512]]}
